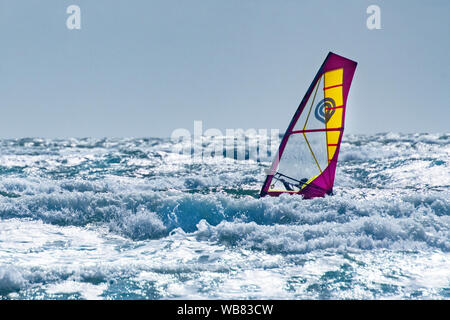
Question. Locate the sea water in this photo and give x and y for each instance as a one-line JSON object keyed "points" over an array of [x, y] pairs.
{"points": [[133, 219]]}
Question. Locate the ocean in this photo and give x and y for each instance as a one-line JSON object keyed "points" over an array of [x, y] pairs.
{"points": [[119, 218]]}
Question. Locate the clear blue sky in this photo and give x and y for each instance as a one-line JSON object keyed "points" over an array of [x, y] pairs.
{"points": [[145, 68]]}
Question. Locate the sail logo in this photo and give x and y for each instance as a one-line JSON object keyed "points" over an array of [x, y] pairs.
{"points": [[325, 110]]}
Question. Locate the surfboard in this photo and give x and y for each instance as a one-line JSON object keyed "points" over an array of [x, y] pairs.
{"points": [[305, 163]]}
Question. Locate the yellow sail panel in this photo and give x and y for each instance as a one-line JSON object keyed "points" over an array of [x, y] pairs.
{"points": [[334, 77], [333, 137], [331, 151], [333, 92], [335, 120]]}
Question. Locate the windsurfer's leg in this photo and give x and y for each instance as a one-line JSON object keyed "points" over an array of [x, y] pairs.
{"points": [[287, 185]]}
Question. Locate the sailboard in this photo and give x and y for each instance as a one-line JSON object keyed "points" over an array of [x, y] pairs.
{"points": [[306, 160]]}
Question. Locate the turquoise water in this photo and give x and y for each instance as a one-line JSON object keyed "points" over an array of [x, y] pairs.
{"points": [[132, 219]]}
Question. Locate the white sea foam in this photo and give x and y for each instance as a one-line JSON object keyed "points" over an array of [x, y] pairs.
{"points": [[121, 218]]}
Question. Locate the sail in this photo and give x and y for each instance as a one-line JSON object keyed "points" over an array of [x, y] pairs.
{"points": [[306, 160]]}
